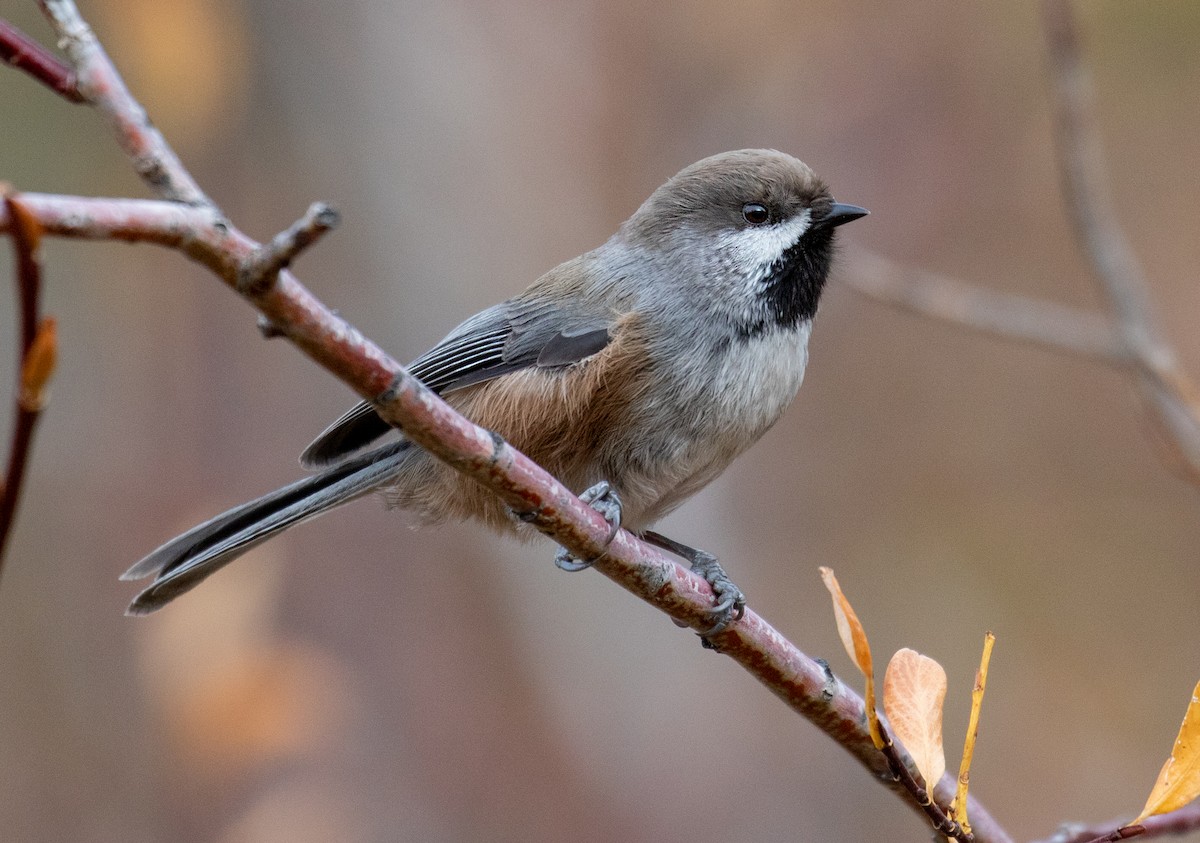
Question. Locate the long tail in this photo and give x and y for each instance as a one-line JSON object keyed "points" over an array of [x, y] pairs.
{"points": [[183, 562]]}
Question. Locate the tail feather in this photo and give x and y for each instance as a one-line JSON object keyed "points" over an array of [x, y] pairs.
{"points": [[182, 563]]}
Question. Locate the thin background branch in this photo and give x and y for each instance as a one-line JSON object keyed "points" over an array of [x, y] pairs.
{"points": [[1165, 387], [1057, 327], [23, 53], [1131, 337]]}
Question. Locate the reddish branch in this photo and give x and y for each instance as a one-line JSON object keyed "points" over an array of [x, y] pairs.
{"points": [[101, 86], [1183, 821], [36, 355], [938, 818], [22, 52]]}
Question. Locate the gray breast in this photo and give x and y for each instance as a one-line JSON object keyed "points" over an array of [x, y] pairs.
{"points": [[715, 408]]}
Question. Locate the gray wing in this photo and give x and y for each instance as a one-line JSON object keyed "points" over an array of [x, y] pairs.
{"points": [[506, 338]]}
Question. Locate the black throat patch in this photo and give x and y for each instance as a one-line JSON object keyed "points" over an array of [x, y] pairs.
{"points": [[793, 286]]}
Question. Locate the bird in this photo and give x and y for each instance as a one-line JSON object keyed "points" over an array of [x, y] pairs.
{"points": [[635, 373]]}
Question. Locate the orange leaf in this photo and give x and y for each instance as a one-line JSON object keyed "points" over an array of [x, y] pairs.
{"points": [[914, 688], [854, 639], [1179, 781]]}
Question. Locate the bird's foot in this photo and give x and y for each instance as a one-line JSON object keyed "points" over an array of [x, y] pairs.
{"points": [[731, 602], [601, 497]]}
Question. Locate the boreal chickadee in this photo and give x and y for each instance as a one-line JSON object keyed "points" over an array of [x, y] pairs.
{"points": [[634, 373]]}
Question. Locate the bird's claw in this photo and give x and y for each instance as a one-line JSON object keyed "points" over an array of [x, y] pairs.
{"points": [[603, 498], [731, 602]]}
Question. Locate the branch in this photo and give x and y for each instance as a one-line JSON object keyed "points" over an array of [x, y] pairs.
{"points": [[1084, 175], [23, 53], [257, 273], [1132, 339], [101, 86], [1054, 326], [37, 352], [938, 818], [1183, 821], [263, 268], [1165, 387]]}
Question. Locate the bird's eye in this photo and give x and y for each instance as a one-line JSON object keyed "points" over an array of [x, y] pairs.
{"points": [[755, 214]]}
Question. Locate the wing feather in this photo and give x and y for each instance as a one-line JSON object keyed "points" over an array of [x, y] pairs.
{"points": [[506, 338]]}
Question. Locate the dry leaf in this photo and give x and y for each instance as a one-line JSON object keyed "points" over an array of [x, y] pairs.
{"points": [[914, 688], [854, 639], [1179, 781]]}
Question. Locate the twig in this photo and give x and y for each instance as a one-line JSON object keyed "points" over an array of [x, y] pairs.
{"points": [[1183, 821], [1125, 832], [21, 51], [37, 351], [938, 818], [263, 267]]}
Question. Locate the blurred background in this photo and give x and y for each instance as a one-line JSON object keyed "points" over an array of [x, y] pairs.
{"points": [[355, 680]]}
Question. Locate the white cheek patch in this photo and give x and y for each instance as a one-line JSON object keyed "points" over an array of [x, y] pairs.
{"points": [[751, 251]]}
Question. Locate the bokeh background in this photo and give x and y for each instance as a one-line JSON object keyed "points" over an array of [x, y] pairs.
{"points": [[359, 681]]}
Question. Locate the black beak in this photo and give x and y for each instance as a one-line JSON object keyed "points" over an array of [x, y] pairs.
{"points": [[840, 214]]}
